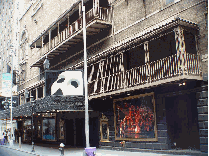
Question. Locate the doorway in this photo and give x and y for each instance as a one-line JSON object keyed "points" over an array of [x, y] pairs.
{"points": [[80, 132], [182, 121], [69, 132]]}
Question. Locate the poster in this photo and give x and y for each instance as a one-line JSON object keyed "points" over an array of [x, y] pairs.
{"points": [[135, 118], [64, 82]]}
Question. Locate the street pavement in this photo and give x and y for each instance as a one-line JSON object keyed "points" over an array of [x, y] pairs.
{"points": [[46, 150], [9, 152]]}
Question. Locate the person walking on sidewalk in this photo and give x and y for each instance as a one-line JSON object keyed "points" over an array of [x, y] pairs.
{"points": [[5, 136], [15, 135]]}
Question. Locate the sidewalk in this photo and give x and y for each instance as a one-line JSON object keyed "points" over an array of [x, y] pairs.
{"points": [[69, 151]]}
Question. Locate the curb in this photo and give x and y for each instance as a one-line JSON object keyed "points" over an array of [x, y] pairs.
{"points": [[20, 150]]}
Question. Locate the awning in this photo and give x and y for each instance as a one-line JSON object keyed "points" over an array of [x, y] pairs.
{"points": [[48, 104]]}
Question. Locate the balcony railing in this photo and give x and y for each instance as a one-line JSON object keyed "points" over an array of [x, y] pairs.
{"points": [[166, 68], [103, 14]]}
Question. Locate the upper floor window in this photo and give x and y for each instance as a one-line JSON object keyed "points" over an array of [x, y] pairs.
{"points": [[171, 1]]}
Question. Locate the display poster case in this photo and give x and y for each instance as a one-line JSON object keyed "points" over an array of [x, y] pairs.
{"points": [[104, 128], [135, 118], [62, 133]]}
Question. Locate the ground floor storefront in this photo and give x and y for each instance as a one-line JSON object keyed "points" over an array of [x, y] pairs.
{"points": [[158, 118], [165, 117], [66, 127]]}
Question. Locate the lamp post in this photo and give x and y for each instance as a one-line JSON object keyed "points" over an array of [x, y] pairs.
{"points": [[46, 64], [11, 133], [85, 78], [32, 104], [46, 67], [6, 106]]}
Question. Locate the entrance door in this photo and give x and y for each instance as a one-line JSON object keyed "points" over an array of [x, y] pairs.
{"points": [[181, 116], [94, 132], [80, 132], [69, 132]]}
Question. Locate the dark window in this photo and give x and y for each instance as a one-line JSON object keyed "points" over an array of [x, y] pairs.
{"points": [[134, 57], [190, 43]]}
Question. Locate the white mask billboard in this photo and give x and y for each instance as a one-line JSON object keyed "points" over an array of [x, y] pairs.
{"points": [[64, 82]]}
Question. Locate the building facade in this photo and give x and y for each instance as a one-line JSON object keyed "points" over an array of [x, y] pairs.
{"points": [[147, 73], [9, 40]]}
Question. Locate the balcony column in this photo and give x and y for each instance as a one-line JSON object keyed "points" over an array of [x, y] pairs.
{"points": [[147, 63], [68, 25], [44, 93], [36, 93], [180, 50], [58, 31], [42, 45], [198, 56], [20, 99], [30, 95], [95, 7], [50, 39], [80, 9]]}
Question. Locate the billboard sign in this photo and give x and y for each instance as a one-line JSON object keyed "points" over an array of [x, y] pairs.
{"points": [[6, 84], [64, 82]]}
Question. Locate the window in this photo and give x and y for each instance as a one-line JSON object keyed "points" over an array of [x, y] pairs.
{"points": [[48, 129], [171, 1]]}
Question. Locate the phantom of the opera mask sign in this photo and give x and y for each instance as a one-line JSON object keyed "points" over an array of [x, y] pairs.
{"points": [[135, 118], [60, 82]]}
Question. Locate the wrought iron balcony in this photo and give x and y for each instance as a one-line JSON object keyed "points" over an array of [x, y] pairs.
{"points": [[95, 21], [166, 70]]}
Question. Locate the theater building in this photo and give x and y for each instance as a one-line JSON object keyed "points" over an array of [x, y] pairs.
{"points": [[147, 73]]}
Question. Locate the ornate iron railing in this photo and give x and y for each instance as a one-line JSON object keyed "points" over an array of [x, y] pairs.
{"points": [[162, 69], [103, 14]]}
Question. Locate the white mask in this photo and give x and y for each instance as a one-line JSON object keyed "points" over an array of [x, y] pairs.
{"points": [[68, 83]]}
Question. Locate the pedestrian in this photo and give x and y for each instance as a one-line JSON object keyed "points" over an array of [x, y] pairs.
{"points": [[15, 135], [5, 136]]}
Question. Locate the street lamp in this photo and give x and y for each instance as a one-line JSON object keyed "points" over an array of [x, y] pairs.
{"points": [[85, 78], [11, 133], [46, 64], [32, 104], [46, 67]]}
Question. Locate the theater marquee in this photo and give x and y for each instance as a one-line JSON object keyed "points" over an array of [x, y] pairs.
{"points": [[135, 118]]}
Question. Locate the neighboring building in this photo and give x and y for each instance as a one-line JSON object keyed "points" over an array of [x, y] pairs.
{"points": [[147, 73], [9, 12]]}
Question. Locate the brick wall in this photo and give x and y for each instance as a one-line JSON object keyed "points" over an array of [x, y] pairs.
{"points": [[202, 107]]}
